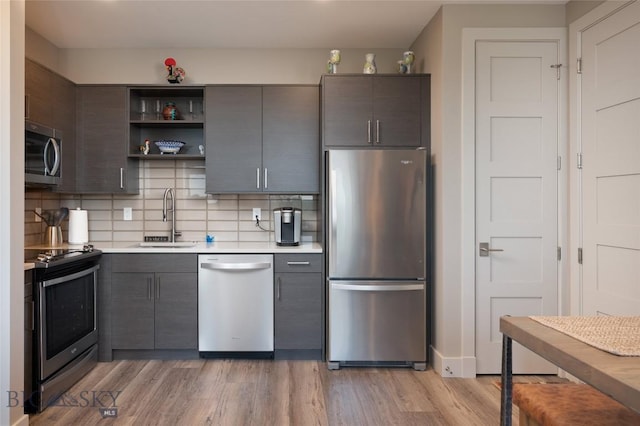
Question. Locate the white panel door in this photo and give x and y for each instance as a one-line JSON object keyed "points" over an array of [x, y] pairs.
{"points": [[516, 193], [610, 128]]}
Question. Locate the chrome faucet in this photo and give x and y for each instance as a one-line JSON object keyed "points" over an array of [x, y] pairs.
{"points": [[168, 193]]}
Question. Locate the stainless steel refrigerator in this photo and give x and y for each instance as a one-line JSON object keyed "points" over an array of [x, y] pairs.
{"points": [[376, 257]]}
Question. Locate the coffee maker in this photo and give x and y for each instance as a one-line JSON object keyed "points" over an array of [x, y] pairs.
{"points": [[287, 221]]}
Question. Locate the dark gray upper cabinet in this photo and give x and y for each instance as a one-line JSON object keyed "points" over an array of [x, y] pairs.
{"points": [[101, 134], [234, 139], [50, 100], [262, 139], [377, 111], [38, 87], [64, 119], [290, 138]]}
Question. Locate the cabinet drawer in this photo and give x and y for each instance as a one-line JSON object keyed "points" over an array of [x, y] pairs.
{"points": [[299, 262], [161, 262]]}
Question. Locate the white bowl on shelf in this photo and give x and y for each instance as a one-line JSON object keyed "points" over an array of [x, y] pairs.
{"points": [[169, 146]]}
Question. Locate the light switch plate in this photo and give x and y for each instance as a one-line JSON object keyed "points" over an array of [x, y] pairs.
{"points": [[127, 213], [39, 211]]}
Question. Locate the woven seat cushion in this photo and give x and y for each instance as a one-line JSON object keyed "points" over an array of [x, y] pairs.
{"points": [[571, 404]]}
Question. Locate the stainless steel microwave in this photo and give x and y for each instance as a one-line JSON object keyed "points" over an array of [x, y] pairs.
{"points": [[42, 154]]}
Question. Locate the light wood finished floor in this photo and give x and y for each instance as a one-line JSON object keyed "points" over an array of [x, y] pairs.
{"points": [[256, 392]]}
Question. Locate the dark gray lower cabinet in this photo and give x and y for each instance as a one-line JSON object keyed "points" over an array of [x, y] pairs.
{"points": [[298, 305], [152, 308]]}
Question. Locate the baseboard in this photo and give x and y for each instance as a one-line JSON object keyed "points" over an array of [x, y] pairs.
{"points": [[165, 354], [464, 367], [22, 421], [298, 354]]}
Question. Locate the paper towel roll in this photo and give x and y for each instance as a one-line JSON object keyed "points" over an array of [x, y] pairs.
{"points": [[78, 226]]}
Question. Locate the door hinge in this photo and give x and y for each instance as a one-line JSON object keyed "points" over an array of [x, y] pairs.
{"points": [[580, 255], [557, 67], [579, 66], [559, 253], [559, 162], [579, 160]]}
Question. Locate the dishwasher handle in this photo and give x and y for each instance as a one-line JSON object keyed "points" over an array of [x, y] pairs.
{"points": [[243, 266]]}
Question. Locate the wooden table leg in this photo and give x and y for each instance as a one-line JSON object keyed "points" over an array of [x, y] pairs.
{"points": [[506, 390]]}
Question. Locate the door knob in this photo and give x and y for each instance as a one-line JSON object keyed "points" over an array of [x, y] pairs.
{"points": [[484, 249]]}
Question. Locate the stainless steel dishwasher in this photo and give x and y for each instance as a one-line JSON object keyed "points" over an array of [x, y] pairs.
{"points": [[235, 305]]}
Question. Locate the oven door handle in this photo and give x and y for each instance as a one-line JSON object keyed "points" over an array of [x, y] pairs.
{"points": [[64, 279]]}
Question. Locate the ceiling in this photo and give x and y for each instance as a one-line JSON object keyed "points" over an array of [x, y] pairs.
{"points": [[230, 24]]}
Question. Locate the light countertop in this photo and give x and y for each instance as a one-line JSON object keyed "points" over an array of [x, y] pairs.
{"points": [[215, 247]]}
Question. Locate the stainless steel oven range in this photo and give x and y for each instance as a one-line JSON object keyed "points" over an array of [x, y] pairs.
{"points": [[64, 333]]}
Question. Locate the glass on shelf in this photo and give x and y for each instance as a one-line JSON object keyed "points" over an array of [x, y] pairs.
{"points": [[195, 109], [145, 109], [158, 110]]}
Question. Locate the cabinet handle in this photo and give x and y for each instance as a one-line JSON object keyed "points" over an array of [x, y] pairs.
{"points": [[294, 263], [149, 288], [378, 131], [265, 178], [158, 288], [278, 288], [26, 105], [32, 316], [121, 178], [368, 131], [258, 178]]}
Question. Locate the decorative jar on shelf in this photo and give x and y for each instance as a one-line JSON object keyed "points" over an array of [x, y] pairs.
{"points": [[370, 64], [170, 111]]}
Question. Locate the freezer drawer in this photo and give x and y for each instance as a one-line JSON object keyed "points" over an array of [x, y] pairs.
{"points": [[379, 321]]}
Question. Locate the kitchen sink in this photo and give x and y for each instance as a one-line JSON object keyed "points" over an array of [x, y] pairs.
{"points": [[168, 244]]}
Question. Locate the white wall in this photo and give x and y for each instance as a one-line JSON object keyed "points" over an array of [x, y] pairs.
{"points": [[11, 214], [215, 66], [453, 337]]}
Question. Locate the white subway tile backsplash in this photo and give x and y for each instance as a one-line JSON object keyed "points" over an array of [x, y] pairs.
{"points": [[134, 203], [128, 236], [224, 236], [228, 217], [94, 204], [215, 226], [222, 214], [127, 225], [98, 236], [187, 225], [200, 215], [100, 225]]}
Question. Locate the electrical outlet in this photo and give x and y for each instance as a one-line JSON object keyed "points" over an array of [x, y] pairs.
{"points": [[127, 213], [39, 211], [256, 213]]}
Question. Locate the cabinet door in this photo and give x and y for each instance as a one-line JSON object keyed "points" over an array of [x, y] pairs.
{"points": [[64, 119], [298, 311], [234, 139], [132, 307], [176, 311], [103, 166], [347, 110], [291, 139], [396, 111], [37, 89]]}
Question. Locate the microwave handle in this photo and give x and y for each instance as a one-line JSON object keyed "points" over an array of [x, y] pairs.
{"points": [[56, 156]]}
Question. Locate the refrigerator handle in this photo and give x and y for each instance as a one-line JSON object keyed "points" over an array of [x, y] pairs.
{"points": [[333, 216], [358, 287]]}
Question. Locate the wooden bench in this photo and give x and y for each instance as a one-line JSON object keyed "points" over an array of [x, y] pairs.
{"points": [[569, 404]]}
